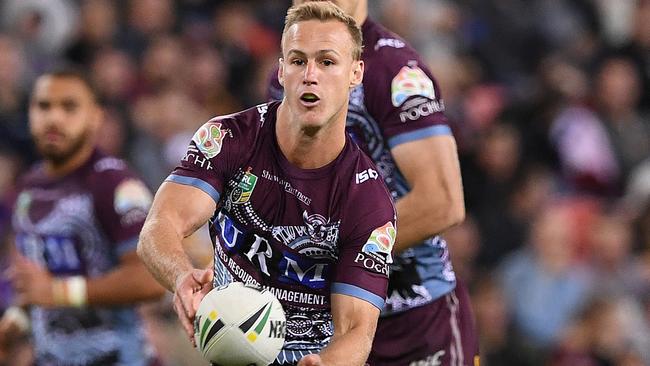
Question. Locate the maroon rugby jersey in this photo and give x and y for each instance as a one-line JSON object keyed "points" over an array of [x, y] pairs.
{"points": [[302, 234], [81, 224]]}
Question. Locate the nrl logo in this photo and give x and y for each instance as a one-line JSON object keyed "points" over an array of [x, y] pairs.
{"points": [[243, 191]]}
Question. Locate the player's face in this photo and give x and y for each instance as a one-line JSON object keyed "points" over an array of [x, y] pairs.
{"points": [[317, 71], [62, 117]]}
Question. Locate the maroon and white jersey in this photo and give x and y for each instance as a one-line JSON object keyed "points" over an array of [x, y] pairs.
{"points": [[80, 225], [302, 234], [398, 102]]}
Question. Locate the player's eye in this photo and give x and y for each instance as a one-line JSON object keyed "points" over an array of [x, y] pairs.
{"points": [[298, 62], [43, 105], [328, 62], [70, 106]]}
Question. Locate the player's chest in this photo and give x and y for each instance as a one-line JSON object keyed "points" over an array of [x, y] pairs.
{"points": [[303, 215], [53, 206]]}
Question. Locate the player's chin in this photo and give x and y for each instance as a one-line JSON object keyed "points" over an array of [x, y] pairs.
{"points": [[53, 152]]}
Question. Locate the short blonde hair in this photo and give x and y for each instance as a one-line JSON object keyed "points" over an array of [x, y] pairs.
{"points": [[324, 11]]}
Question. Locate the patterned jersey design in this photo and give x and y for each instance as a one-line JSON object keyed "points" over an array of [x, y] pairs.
{"points": [[300, 234], [80, 225]]}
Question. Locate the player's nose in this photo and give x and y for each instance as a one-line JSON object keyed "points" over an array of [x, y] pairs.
{"points": [[311, 74]]}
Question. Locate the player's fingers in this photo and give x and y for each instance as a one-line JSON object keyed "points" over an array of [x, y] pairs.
{"points": [[21, 299], [310, 360], [199, 296], [186, 322], [202, 276]]}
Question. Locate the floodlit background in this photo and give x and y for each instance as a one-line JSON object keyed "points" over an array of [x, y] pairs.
{"points": [[549, 101]]}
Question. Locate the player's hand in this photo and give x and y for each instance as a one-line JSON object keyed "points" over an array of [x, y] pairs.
{"points": [[8, 331], [191, 287], [311, 360], [32, 283]]}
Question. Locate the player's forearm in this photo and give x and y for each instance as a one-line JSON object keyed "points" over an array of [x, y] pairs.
{"points": [[160, 248], [110, 290], [349, 349], [421, 217]]}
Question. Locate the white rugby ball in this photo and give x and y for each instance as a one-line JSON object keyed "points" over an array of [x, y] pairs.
{"points": [[240, 325]]}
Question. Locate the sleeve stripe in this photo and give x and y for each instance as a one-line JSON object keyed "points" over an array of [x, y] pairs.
{"points": [[419, 134], [358, 292], [197, 183], [127, 245]]}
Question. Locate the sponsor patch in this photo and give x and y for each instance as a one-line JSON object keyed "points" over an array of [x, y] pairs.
{"points": [[410, 81], [381, 241], [375, 254], [131, 194], [389, 42], [209, 139]]}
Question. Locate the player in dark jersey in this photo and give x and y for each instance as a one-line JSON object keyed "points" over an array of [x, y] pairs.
{"points": [[76, 221], [295, 205], [397, 117]]}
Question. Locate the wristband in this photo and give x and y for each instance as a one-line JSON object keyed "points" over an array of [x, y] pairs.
{"points": [[77, 294], [17, 316], [70, 292]]}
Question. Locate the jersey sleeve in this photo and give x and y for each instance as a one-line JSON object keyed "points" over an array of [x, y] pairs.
{"points": [[403, 97], [122, 202], [368, 235], [211, 157]]}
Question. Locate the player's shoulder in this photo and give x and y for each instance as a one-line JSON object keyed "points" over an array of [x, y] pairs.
{"points": [[103, 166], [386, 48], [111, 179], [365, 180], [239, 124], [105, 173]]}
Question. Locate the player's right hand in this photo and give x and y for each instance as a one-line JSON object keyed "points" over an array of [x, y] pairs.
{"points": [[191, 287]]}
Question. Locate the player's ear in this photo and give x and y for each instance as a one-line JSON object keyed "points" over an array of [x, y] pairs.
{"points": [[281, 71], [356, 76]]}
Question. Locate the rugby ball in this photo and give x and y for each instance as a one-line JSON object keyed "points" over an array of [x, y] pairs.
{"points": [[239, 325]]}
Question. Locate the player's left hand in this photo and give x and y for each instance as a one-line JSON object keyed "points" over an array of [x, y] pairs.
{"points": [[31, 282], [311, 360], [191, 287]]}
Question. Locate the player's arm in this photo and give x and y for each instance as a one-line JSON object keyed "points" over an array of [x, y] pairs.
{"points": [[127, 283], [177, 211], [355, 322], [435, 201]]}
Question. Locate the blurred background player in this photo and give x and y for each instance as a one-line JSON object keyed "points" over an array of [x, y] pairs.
{"points": [[397, 116], [76, 220]]}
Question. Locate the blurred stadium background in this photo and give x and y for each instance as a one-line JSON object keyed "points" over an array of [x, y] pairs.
{"points": [[549, 102]]}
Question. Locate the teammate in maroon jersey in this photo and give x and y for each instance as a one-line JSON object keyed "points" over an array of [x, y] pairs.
{"points": [[76, 222], [397, 117], [295, 206]]}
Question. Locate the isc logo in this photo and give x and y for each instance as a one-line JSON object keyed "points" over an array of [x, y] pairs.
{"points": [[277, 328], [367, 174]]}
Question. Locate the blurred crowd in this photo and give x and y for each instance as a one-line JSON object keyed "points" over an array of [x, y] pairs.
{"points": [[549, 101]]}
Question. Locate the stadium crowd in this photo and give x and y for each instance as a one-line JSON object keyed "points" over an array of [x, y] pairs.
{"points": [[549, 101]]}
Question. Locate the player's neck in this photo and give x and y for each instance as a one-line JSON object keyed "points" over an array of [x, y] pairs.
{"points": [[306, 148], [59, 169]]}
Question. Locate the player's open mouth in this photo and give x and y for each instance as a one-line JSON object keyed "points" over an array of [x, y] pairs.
{"points": [[309, 99]]}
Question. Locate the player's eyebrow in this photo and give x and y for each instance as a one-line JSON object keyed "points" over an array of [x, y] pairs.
{"points": [[296, 52]]}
